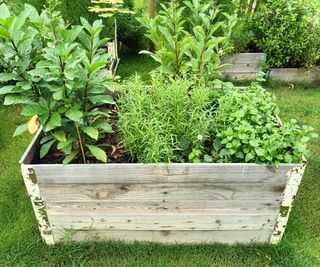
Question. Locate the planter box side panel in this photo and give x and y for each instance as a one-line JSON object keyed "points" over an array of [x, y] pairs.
{"points": [[295, 74], [167, 203], [243, 66]]}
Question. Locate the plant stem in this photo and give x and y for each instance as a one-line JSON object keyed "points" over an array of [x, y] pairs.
{"points": [[175, 37], [81, 144]]}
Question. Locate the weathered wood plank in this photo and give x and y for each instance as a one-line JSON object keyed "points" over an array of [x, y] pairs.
{"points": [[144, 211], [167, 205], [244, 68], [163, 191], [32, 149], [229, 237], [169, 221], [161, 173], [295, 74], [244, 58]]}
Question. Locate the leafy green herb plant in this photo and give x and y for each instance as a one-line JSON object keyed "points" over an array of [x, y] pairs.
{"points": [[56, 72], [247, 129], [164, 122]]}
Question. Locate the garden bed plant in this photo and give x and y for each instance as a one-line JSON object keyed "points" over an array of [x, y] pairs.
{"points": [[176, 139]]}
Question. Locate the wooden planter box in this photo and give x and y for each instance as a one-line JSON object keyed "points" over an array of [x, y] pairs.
{"points": [[295, 74], [243, 66], [184, 203]]}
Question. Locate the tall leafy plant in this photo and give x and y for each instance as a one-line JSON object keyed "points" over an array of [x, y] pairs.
{"points": [[189, 47], [56, 72]]}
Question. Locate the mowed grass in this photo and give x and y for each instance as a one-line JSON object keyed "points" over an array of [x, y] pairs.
{"points": [[21, 245]]}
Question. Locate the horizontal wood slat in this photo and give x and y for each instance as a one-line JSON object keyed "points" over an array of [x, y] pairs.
{"points": [[163, 192], [169, 221], [160, 173], [229, 237], [244, 58]]}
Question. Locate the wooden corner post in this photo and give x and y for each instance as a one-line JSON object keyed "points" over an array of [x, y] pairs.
{"points": [[38, 205], [294, 180]]}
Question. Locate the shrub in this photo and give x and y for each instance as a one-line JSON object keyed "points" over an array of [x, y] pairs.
{"points": [[191, 47], [163, 122], [288, 33], [55, 72]]}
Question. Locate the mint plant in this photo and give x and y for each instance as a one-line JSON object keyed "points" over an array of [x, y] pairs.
{"points": [[55, 71], [246, 129], [189, 46]]}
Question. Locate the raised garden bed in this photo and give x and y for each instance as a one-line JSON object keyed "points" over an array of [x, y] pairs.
{"points": [[295, 74], [243, 66], [184, 203]]}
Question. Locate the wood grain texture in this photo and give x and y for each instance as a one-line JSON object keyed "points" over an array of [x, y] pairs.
{"points": [[161, 173], [163, 191]]}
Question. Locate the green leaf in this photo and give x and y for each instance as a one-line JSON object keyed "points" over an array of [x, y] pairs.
{"points": [[71, 156], [45, 139], [249, 157], [33, 109], [102, 99], [92, 132], [99, 111], [20, 129], [4, 11], [98, 153], [60, 135], [97, 65], [74, 115], [16, 99], [55, 119], [45, 148], [104, 125], [71, 35], [7, 89], [4, 33], [6, 77], [288, 158], [208, 158], [86, 24]]}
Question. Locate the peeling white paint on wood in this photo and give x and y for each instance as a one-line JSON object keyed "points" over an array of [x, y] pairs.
{"points": [[295, 176], [38, 204]]}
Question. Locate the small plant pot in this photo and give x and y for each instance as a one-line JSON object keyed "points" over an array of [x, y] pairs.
{"points": [[243, 66], [169, 203]]}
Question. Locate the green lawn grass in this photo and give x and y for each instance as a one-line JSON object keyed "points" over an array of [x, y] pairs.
{"points": [[21, 245]]}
